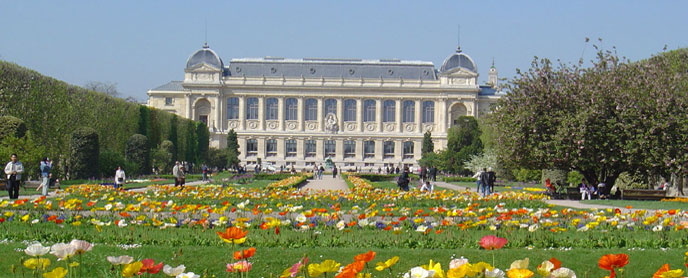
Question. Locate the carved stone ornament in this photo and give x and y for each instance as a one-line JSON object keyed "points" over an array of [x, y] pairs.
{"points": [[389, 127], [371, 126], [350, 126], [272, 125], [311, 126], [291, 125], [233, 124], [253, 125], [331, 124]]}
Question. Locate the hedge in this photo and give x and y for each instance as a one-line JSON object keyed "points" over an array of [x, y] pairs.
{"points": [[459, 179]]}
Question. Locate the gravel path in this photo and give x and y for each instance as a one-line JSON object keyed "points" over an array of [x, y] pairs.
{"points": [[326, 183]]}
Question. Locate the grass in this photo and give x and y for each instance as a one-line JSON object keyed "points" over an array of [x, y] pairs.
{"points": [[639, 204]]}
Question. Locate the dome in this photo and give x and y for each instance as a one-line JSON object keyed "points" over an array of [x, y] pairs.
{"points": [[458, 59], [204, 55]]}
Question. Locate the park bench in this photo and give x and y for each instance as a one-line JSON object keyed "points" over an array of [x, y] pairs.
{"points": [[642, 194], [573, 193]]}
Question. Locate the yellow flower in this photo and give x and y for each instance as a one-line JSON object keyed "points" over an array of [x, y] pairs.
{"points": [[34, 263], [315, 270], [520, 264], [131, 269], [676, 273], [25, 218], [363, 275], [58, 272], [465, 270], [74, 264], [387, 264], [519, 273], [481, 267], [439, 273], [545, 268]]}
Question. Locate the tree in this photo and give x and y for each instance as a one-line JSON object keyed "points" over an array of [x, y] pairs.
{"points": [[463, 141], [232, 151], [138, 153], [613, 117], [109, 160], [203, 142], [29, 151], [12, 126], [162, 157], [191, 146], [217, 158], [172, 137], [103, 87], [84, 153], [428, 145], [144, 120]]}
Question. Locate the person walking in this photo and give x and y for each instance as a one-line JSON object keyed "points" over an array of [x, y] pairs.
{"points": [[320, 171], [334, 171], [13, 170], [45, 167], [491, 178], [478, 177], [120, 178], [175, 173], [205, 173]]}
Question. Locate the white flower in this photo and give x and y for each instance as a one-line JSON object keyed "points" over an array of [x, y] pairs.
{"points": [[419, 272], [363, 222], [422, 229], [657, 228], [108, 207], [533, 228], [120, 260], [456, 263], [34, 221], [562, 273], [494, 273], [36, 249], [188, 275], [341, 224], [301, 218], [518, 264], [81, 246], [62, 250], [173, 271], [122, 223]]}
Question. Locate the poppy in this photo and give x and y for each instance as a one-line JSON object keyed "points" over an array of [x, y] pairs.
{"points": [[233, 235], [365, 257], [492, 242], [612, 261]]}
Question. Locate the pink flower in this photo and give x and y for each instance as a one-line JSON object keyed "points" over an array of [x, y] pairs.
{"points": [[296, 268], [492, 242], [240, 266]]}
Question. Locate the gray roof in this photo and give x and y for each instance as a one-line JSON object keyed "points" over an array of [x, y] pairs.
{"points": [[332, 68], [170, 86], [458, 59], [204, 55]]}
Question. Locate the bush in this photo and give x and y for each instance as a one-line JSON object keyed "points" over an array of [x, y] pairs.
{"points": [[527, 175], [84, 154], [30, 153], [108, 162], [12, 126], [574, 178], [138, 153], [555, 176], [272, 177]]}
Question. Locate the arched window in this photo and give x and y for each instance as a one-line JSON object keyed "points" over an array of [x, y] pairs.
{"points": [[311, 110], [291, 108], [330, 147], [349, 148], [271, 109], [330, 107], [428, 112], [350, 110], [409, 111], [389, 111], [232, 108], [369, 110], [252, 108], [270, 147]]}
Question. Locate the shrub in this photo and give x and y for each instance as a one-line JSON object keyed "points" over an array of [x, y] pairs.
{"points": [[108, 161], [527, 175], [555, 176], [84, 153], [12, 126], [29, 151], [162, 157], [138, 153], [574, 178]]}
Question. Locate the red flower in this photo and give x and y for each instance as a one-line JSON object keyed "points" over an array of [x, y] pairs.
{"points": [[613, 261], [245, 254], [149, 266], [492, 242], [365, 257]]}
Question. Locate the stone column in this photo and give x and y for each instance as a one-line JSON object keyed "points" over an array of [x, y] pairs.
{"points": [[261, 113], [340, 114], [218, 114], [300, 149], [242, 149], [398, 151], [379, 150], [280, 149], [359, 150], [280, 114], [398, 115], [319, 149], [378, 114], [261, 148], [339, 150], [300, 114], [419, 114], [320, 116], [242, 113], [441, 111], [359, 114]]}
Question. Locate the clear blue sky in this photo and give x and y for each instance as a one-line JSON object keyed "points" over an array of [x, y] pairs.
{"points": [[142, 44]]}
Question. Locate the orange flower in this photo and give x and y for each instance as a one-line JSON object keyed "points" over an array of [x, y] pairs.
{"points": [[556, 263], [233, 235], [365, 257], [613, 261], [352, 269], [661, 270], [245, 254]]}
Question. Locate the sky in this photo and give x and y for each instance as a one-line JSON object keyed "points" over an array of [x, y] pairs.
{"points": [[139, 45]]}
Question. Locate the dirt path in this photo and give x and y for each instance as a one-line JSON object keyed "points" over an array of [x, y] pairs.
{"points": [[326, 183]]}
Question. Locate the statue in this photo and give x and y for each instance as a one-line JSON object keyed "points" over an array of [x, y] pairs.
{"points": [[331, 123]]}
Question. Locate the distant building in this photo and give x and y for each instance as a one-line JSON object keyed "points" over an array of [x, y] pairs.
{"points": [[360, 113]]}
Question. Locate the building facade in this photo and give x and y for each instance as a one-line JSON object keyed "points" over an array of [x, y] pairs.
{"points": [[358, 113]]}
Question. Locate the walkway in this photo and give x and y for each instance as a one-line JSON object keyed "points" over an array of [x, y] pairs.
{"points": [[326, 183]]}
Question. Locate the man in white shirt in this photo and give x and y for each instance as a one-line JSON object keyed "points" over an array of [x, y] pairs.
{"points": [[175, 173], [13, 170]]}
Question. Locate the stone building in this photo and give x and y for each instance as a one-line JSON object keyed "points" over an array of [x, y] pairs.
{"points": [[359, 113]]}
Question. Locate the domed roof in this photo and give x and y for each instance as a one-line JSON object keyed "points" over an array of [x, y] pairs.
{"points": [[204, 55], [458, 59]]}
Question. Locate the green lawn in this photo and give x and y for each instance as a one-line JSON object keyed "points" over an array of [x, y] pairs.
{"points": [[640, 204]]}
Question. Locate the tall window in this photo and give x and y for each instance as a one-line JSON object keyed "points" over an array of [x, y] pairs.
{"points": [[252, 108], [232, 108], [251, 147], [369, 149], [311, 110], [330, 107], [369, 110], [408, 149], [169, 101], [271, 109], [330, 148], [409, 111], [428, 112], [389, 149], [270, 147], [389, 111], [350, 110], [309, 148], [291, 108], [290, 148], [349, 148]]}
